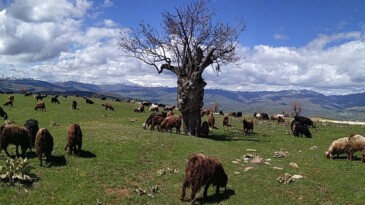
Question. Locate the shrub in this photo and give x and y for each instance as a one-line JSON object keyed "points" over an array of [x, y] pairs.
{"points": [[16, 170]]}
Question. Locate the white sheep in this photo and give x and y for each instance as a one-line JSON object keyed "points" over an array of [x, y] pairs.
{"points": [[357, 143], [154, 107], [339, 146]]}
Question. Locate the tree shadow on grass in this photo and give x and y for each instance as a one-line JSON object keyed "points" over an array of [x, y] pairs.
{"points": [[216, 199], [253, 137]]}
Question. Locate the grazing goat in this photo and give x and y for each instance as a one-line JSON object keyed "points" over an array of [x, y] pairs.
{"points": [[8, 103], [274, 117], [88, 101], [156, 120], [304, 120], [204, 129], [203, 171], [225, 121], [233, 114], [74, 139], [32, 126], [171, 122], [154, 107], [280, 119], [3, 113], [169, 108], [74, 104], [139, 108], [108, 106], [146, 103], [43, 144], [40, 97], [247, 126], [40, 105], [149, 119], [264, 116], [11, 97], [206, 112], [55, 100], [14, 134], [170, 113], [300, 129], [211, 121]]}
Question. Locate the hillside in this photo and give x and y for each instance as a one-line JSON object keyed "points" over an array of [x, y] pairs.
{"points": [[346, 107], [122, 163]]}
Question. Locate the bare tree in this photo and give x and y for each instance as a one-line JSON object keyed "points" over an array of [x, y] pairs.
{"points": [[297, 107], [189, 42]]}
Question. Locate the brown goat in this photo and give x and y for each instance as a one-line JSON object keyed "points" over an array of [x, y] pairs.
{"points": [[32, 126], [202, 171], [171, 122], [149, 119], [225, 121], [139, 108], [170, 113], [211, 121], [8, 103], [40, 105], [14, 134], [74, 139], [43, 144], [3, 113], [74, 104], [11, 97], [206, 112], [204, 129], [108, 106], [156, 120], [247, 126]]}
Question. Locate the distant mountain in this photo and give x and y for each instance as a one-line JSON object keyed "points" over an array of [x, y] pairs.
{"points": [[349, 107]]}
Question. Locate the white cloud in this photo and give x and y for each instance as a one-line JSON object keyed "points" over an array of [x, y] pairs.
{"points": [[334, 69], [279, 36]]}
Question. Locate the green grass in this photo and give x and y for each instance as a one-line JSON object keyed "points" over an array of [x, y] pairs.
{"points": [[120, 157]]}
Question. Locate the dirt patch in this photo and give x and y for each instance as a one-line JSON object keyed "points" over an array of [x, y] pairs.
{"points": [[118, 192]]}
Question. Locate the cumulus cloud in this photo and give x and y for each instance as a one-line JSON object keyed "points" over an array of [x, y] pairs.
{"points": [[39, 30], [336, 69], [53, 43]]}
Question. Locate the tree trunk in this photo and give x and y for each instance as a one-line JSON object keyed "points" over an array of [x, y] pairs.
{"points": [[190, 102]]}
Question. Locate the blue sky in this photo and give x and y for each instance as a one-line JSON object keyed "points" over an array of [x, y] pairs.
{"points": [[288, 44]]}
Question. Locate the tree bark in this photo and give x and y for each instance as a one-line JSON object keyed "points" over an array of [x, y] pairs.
{"points": [[190, 101]]}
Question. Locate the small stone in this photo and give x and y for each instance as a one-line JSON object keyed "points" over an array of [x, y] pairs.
{"points": [[294, 165], [296, 177]]}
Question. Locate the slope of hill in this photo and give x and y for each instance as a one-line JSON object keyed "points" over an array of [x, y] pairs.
{"points": [[347, 107]]}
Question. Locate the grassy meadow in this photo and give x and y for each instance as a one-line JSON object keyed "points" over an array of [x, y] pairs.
{"points": [[120, 157]]}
